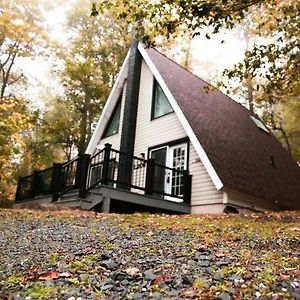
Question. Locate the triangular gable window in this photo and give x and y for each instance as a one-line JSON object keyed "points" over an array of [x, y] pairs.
{"points": [[113, 125], [160, 106]]}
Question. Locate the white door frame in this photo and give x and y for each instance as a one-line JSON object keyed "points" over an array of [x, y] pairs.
{"points": [[169, 164]]}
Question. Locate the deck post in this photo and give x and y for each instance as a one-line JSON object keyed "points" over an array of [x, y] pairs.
{"points": [[18, 190], [150, 176], [187, 186], [34, 184], [82, 173], [105, 170], [56, 181]]}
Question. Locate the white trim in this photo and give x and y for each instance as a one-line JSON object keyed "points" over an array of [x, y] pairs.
{"points": [[108, 107], [194, 140], [225, 198], [168, 163]]}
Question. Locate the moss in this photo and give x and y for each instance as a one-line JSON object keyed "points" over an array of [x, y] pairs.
{"points": [[38, 291], [13, 280], [85, 263], [53, 258], [74, 281], [199, 283]]}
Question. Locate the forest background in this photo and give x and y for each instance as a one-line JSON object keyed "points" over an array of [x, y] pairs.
{"points": [[55, 121]]}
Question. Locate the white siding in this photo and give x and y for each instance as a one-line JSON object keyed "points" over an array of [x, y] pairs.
{"points": [[166, 129], [115, 139], [161, 130], [243, 200]]}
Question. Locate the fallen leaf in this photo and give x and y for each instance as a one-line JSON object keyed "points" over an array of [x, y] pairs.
{"points": [[157, 280], [165, 277], [284, 277], [132, 271], [49, 275]]}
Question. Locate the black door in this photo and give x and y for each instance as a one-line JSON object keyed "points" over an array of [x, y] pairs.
{"points": [[160, 157]]}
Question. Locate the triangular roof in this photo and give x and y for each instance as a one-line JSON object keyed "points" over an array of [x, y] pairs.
{"points": [[236, 153]]}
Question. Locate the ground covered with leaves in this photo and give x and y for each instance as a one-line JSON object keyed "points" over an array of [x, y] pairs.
{"points": [[83, 255]]}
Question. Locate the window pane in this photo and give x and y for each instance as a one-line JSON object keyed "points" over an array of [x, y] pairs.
{"points": [[161, 103], [113, 127]]}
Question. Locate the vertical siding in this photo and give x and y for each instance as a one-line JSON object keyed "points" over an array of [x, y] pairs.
{"points": [[168, 128], [115, 139]]}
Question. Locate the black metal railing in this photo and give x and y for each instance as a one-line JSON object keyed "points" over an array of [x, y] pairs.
{"points": [[68, 176], [108, 167], [146, 175], [37, 184]]}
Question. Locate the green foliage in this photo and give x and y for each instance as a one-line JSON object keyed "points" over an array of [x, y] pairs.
{"points": [[164, 17], [97, 49], [21, 36], [14, 119]]}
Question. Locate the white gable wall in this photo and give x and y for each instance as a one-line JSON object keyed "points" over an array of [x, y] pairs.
{"points": [[166, 129]]}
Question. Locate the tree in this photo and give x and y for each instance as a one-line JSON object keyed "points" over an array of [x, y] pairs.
{"points": [[97, 48], [14, 119], [21, 36], [273, 62]]}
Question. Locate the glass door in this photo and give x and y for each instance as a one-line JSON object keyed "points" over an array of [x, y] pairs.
{"points": [[166, 180], [177, 160]]}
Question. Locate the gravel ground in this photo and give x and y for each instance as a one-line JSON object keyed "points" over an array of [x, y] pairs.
{"points": [[83, 255]]}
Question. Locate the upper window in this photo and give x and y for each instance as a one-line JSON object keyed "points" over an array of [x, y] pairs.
{"points": [[161, 106], [113, 125], [259, 124]]}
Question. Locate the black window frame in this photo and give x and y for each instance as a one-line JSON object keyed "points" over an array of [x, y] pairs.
{"points": [[154, 87], [116, 108]]}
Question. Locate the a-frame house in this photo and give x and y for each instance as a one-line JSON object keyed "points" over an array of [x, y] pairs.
{"points": [[167, 141]]}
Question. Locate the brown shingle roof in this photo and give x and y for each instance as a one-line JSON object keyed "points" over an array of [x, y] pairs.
{"points": [[240, 152]]}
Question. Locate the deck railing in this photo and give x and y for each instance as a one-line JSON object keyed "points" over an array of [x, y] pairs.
{"points": [[106, 167], [37, 184], [146, 175]]}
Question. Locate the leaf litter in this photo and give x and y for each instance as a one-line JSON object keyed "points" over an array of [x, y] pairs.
{"points": [[83, 255]]}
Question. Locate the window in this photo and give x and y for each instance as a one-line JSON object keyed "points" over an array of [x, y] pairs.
{"points": [[160, 105], [113, 125], [259, 124]]}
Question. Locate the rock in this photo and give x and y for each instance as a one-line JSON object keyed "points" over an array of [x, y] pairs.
{"points": [[137, 296], [105, 256], [109, 264], [223, 263], [107, 287], [204, 263], [218, 277], [205, 257], [224, 296], [84, 277], [119, 276], [149, 275], [187, 279]]}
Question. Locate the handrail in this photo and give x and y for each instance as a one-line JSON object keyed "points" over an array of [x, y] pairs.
{"points": [[66, 163], [96, 153]]}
